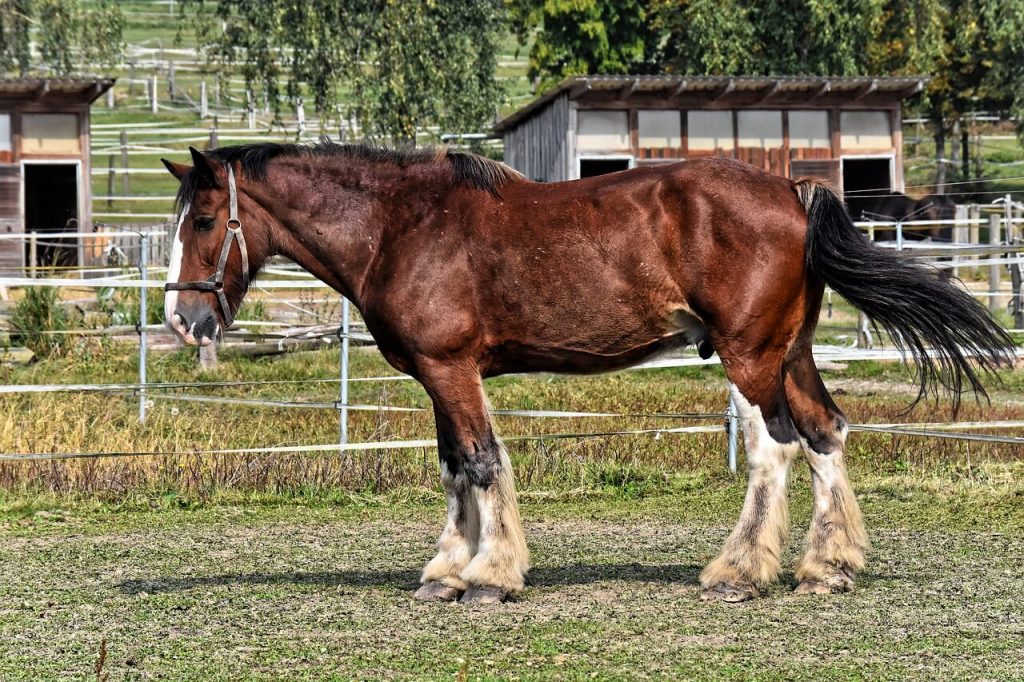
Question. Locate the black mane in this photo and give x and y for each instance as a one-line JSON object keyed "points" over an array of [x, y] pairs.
{"points": [[468, 169]]}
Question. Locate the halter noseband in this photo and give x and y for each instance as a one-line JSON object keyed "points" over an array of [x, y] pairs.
{"points": [[215, 282]]}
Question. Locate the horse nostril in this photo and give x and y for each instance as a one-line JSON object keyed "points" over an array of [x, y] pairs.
{"points": [[207, 328], [179, 319]]}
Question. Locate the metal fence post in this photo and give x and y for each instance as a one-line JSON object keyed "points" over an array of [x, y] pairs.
{"points": [[143, 319], [1016, 306], [994, 238], [732, 426], [343, 334]]}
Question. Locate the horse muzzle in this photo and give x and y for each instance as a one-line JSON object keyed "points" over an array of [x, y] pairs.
{"points": [[196, 325]]}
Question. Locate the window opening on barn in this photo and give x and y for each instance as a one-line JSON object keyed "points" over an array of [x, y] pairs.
{"points": [[710, 131], [50, 134], [865, 130], [659, 129], [602, 130], [759, 128], [6, 143], [809, 130]]}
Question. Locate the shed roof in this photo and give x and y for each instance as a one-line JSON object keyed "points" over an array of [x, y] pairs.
{"points": [[818, 91], [78, 89]]}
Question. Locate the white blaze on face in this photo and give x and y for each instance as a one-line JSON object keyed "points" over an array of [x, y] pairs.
{"points": [[173, 273]]}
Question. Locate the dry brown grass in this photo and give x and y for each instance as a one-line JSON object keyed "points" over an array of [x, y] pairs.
{"points": [[57, 423]]}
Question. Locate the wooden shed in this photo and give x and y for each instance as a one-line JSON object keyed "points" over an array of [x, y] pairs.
{"points": [[45, 167], [844, 129]]}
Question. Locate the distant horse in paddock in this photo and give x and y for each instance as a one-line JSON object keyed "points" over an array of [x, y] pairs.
{"points": [[899, 206], [462, 269]]}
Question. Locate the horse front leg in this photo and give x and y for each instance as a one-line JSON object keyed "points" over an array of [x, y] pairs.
{"points": [[459, 540], [482, 551]]}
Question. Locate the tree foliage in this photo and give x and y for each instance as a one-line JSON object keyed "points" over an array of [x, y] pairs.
{"points": [[405, 65], [973, 50], [70, 36], [585, 36]]}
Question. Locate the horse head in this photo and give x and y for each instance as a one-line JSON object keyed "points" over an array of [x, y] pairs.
{"points": [[212, 257]]}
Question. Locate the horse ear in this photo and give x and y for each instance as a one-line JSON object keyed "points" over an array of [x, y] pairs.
{"points": [[178, 170], [203, 167]]}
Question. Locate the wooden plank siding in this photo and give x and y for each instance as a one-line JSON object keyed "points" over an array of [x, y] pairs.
{"points": [[540, 147], [12, 251]]}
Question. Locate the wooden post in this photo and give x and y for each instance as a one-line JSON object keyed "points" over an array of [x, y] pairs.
{"points": [[110, 98], [170, 80], [111, 173], [973, 214], [33, 254], [250, 110], [154, 105], [204, 105], [300, 115], [213, 135], [125, 183], [994, 238]]}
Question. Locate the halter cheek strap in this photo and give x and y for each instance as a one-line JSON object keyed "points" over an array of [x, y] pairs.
{"points": [[215, 282]]}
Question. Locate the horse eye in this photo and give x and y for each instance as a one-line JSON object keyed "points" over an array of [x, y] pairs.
{"points": [[204, 223]]}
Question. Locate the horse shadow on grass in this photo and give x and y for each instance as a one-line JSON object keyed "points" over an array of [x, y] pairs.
{"points": [[407, 579]]}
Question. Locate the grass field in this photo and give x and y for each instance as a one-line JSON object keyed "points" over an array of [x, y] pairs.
{"points": [[287, 590], [303, 566]]}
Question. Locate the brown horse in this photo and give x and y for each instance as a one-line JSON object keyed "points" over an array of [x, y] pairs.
{"points": [[462, 270]]}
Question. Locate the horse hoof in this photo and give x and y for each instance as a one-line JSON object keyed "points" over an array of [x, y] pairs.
{"points": [[437, 591], [836, 583], [483, 594], [730, 593]]}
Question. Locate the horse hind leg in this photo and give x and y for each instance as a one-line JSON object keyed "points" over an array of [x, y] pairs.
{"points": [[750, 558], [836, 541]]}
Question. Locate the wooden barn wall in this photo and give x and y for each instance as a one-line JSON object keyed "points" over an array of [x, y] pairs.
{"points": [[539, 147], [12, 251]]}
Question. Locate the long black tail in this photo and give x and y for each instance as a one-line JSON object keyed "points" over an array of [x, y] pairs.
{"points": [[908, 299]]}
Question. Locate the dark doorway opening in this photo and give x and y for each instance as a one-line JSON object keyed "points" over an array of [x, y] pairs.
{"points": [[591, 167], [866, 174], [51, 207]]}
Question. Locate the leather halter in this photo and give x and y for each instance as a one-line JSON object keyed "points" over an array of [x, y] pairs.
{"points": [[215, 282]]}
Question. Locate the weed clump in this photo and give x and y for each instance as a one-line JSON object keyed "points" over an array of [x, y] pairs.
{"points": [[40, 322]]}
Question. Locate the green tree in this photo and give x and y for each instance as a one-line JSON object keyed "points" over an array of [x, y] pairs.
{"points": [[585, 36], [729, 37], [71, 37], [708, 37], [401, 66]]}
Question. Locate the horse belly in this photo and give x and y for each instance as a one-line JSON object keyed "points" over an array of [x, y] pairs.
{"points": [[618, 342]]}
